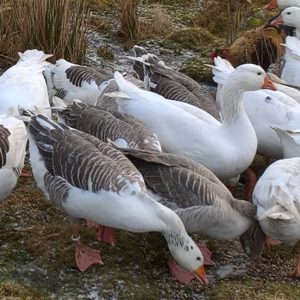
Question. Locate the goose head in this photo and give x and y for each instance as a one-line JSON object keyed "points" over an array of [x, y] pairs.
{"points": [[187, 254], [282, 4], [289, 17], [249, 77]]}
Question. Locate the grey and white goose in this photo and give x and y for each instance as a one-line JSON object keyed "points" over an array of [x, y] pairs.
{"points": [[122, 129], [87, 178], [172, 84], [200, 199], [70, 81], [13, 138]]}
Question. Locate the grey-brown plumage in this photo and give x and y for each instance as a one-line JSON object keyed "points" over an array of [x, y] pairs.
{"points": [[123, 129], [172, 84], [4, 145], [200, 199], [74, 158], [106, 102], [78, 74]]}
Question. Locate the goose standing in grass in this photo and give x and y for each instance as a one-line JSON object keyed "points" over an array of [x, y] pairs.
{"points": [[264, 108], [13, 138], [122, 129], [277, 195], [89, 179], [201, 200], [23, 84], [70, 81], [226, 148], [172, 84]]}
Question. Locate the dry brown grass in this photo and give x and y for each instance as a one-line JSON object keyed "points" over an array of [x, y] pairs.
{"points": [[128, 14], [54, 26]]}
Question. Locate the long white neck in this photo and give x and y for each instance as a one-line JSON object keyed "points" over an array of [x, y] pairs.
{"points": [[298, 33], [231, 103]]}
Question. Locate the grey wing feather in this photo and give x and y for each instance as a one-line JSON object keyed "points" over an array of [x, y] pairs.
{"points": [[4, 144], [78, 74]]}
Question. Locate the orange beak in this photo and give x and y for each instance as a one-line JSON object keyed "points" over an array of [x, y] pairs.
{"points": [[271, 5], [268, 84], [277, 21], [201, 275]]}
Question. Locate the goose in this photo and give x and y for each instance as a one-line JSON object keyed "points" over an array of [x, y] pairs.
{"points": [[13, 138], [23, 84], [282, 4], [289, 17], [87, 178], [69, 81], [264, 108], [277, 195], [226, 148], [200, 199], [123, 130], [171, 84], [291, 69], [284, 87]]}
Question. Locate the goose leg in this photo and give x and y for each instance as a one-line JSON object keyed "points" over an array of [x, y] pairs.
{"points": [[251, 181], [84, 255], [25, 173], [270, 243], [106, 235]]}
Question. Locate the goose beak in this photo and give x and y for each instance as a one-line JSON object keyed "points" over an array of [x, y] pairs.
{"points": [[201, 275], [268, 84], [277, 21], [271, 5]]}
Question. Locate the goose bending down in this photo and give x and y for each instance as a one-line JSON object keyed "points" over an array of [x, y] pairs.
{"points": [[200, 199], [122, 129], [13, 138], [171, 84], [277, 195], [282, 4], [70, 81], [23, 84], [87, 178], [226, 148], [264, 108]]}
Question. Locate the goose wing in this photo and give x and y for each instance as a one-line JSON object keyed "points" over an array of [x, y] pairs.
{"points": [[4, 144]]}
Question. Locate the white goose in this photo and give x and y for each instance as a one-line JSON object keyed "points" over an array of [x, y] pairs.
{"points": [[24, 84], [89, 179], [13, 138], [264, 108], [70, 81], [277, 195], [282, 4], [226, 148]]}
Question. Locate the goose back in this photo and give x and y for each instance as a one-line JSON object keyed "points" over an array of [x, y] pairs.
{"points": [[123, 129]]}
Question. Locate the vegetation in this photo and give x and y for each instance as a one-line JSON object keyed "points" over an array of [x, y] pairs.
{"points": [[54, 26]]}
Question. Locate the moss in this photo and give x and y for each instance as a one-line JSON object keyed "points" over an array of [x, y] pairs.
{"points": [[192, 38], [196, 69], [254, 290], [11, 290]]}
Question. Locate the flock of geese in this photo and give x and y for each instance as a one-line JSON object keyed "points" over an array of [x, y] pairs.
{"points": [[119, 153]]}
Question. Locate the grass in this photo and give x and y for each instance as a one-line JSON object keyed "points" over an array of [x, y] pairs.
{"points": [[54, 26]]}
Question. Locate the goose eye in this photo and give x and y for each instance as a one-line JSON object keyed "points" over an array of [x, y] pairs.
{"points": [[198, 258], [289, 13], [258, 73]]}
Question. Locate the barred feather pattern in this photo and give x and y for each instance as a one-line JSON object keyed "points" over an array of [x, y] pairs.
{"points": [[78, 74], [82, 160], [4, 144], [110, 124], [58, 189]]}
